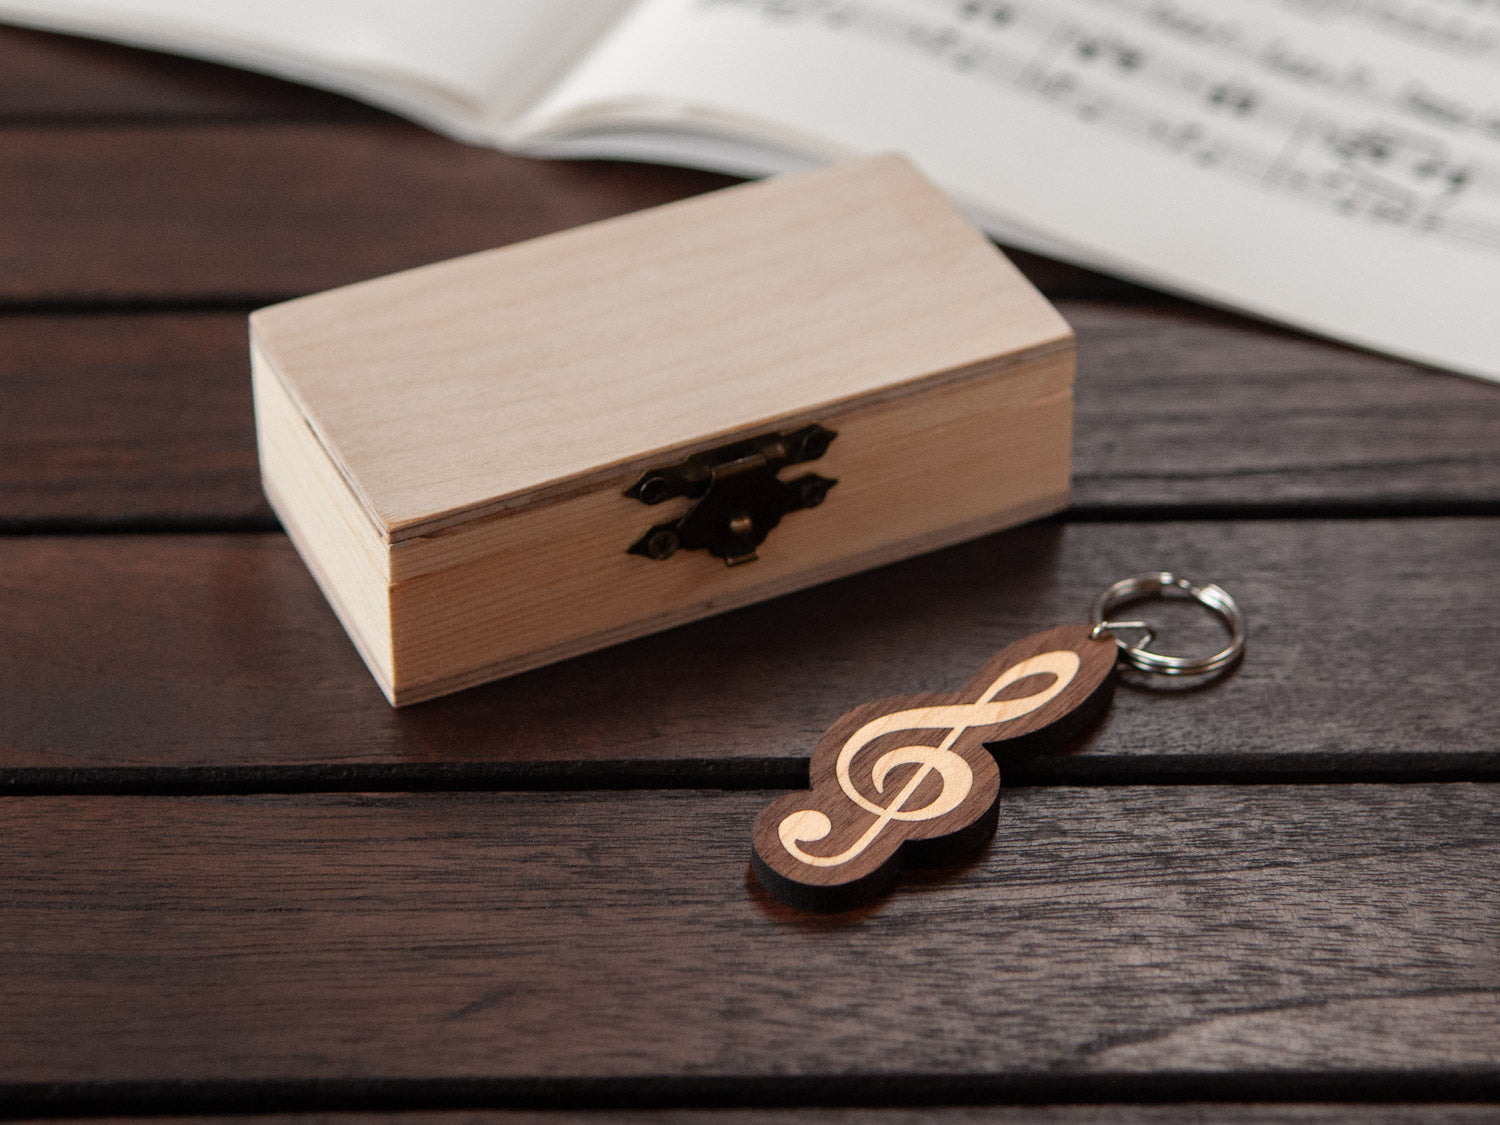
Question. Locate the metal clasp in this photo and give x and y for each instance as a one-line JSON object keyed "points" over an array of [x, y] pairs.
{"points": [[739, 497]]}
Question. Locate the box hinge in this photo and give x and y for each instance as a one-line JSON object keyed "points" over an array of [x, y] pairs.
{"points": [[739, 497]]}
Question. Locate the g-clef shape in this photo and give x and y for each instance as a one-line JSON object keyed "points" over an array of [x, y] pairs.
{"points": [[915, 777]]}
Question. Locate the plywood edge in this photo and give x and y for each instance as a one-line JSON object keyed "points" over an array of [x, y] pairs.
{"points": [[263, 358], [407, 694], [309, 451], [374, 651], [471, 534], [322, 523]]}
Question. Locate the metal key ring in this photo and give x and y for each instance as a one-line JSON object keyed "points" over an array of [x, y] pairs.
{"points": [[1160, 583]]}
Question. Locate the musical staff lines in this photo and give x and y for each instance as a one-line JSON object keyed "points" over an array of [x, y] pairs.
{"points": [[1278, 58], [1468, 29], [1216, 92]]}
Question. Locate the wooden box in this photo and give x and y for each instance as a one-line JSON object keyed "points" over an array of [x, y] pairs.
{"points": [[513, 457]]}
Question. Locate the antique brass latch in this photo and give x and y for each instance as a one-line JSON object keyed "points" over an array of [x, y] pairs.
{"points": [[739, 496]]}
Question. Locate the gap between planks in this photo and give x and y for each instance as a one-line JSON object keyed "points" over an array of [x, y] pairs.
{"points": [[84, 527], [681, 773], [1435, 1098], [1067, 1110]]}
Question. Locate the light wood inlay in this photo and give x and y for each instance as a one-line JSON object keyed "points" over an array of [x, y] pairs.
{"points": [[915, 778]]}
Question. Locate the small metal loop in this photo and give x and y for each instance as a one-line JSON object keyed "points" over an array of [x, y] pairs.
{"points": [[1113, 628], [1163, 583]]}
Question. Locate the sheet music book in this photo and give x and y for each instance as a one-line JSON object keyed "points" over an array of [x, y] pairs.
{"points": [[1328, 164]]}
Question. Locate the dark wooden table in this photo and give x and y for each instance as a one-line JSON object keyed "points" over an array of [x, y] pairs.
{"points": [[232, 880]]}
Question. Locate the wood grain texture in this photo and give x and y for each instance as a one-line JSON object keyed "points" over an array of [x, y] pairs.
{"points": [[1369, 651], [264, 211], [121, 420], [62, 79], [46, 78], [1106, 935], [915, 780], [1178, 405], [919, 469], [483, 417], [256, 214], [1190, 1113], [500, 379], [1216, 942], [146, 417]]}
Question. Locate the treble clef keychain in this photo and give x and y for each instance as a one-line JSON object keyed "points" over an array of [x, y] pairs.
{"points": [[915, 779]]}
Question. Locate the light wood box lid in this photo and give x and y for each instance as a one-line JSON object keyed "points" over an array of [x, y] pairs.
{"points": [[551, 367]]}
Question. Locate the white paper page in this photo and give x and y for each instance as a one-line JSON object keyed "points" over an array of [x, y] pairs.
{"points": [[1333, 164], [463, 66]]}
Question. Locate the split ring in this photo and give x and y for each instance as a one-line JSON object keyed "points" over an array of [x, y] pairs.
{"points": [[1163, 584]]}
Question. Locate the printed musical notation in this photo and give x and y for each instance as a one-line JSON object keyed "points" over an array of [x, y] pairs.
{"points": [[1355, 137], [1463, 28]]}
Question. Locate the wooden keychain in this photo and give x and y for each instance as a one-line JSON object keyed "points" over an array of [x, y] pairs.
{"points": [[915, 779]]}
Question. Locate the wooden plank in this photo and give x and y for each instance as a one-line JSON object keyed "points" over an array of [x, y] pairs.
{"points": [[146, 418], [255, 214], [1192, 1113], [1179, 406], [60, 78], [1370, 651], [1138, 938], [215, 212], [128, 420], [46, 79]]}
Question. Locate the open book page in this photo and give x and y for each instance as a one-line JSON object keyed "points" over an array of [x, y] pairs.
{"points": [[1332, 164], [465, 67]]}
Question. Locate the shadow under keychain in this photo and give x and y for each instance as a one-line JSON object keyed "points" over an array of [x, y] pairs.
{"points": [[915, 779]]}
